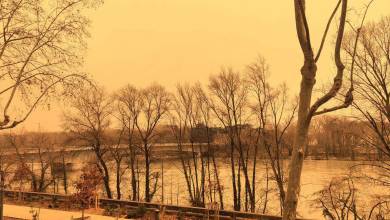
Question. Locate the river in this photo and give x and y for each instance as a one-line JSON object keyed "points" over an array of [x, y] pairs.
{"points": [[316, 174]]}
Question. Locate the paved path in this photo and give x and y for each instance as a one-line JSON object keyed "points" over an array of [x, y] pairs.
{"points": [[23, 212]]}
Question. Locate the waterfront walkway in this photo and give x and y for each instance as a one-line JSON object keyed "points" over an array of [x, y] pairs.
{"points": [[24, 212]]}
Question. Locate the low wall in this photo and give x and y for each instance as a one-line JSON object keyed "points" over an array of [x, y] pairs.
{"points": [[200, 213]]}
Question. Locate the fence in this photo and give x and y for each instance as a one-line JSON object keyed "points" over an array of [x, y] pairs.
{"points": [[180, 211]]}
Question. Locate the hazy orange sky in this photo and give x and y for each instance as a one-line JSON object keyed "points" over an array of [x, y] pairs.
{"points": [[171, 41]]}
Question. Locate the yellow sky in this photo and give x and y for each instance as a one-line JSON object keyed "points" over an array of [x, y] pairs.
{"points": [[171, 41]]}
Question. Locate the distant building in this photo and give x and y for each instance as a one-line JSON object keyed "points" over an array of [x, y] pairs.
{"points": [[203, 134]]}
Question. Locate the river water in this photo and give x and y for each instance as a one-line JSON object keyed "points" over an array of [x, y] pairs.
{"points": [[316, 174]]}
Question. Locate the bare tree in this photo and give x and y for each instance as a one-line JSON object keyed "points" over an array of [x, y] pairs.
{"points": [[118, 154], [274, 118], [371, 63], [371, 77], [281, 117], [306, 110], [88, 121], [40, 53], [184, 119], [229, 103], [36, 163], [203, 104], [341, 200], [153, 105], [128, 103], [6, 165]]}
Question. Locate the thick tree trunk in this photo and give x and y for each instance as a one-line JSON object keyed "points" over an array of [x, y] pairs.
{"points": [[1, 193], [106, 181], [105, 173], [308, 72]]}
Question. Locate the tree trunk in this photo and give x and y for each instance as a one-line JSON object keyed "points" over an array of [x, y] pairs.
{"points": [[235, 198], [219, 188], [133, 174], [134, 183], [203, 175], [215, 168], [106, 177], [65, 176], [249, 194], [118, 180], [239, 184], [209, 174], [308, 72], [254, 178], [1, 193], [185, 171], [106, 181], [138, 183], [266, 189], [147, 173]]}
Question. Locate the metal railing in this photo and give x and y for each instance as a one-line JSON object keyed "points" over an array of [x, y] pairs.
{"points": [[132, 205]]}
